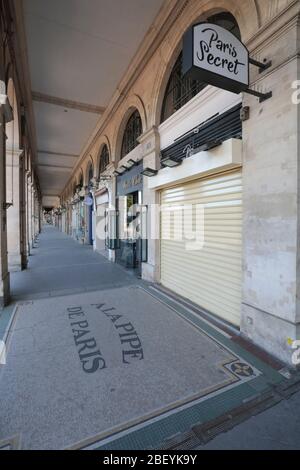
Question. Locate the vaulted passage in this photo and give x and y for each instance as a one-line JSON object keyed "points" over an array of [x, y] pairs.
{"points": [[149, 219]]}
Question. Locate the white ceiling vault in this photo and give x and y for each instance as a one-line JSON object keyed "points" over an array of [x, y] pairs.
{"points": [[78, 52]]}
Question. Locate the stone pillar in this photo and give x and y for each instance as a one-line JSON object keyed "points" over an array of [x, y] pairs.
{"points": [[271, 248], [40, 217], [150, 151], [5, 116], [29, 213], [23, 240], [13, 198], [32, 214], [36, 215], [27, 197], [112, 195]]}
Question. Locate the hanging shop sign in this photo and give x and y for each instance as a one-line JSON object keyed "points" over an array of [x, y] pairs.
{"points": [[130, 181], [215, 56]]}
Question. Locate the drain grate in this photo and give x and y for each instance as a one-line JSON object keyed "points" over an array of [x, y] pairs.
{"points": [[203, 433], [185, 441], [287, 388]]}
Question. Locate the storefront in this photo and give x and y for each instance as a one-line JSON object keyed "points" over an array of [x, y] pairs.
{"points": [[221, 137], [200, 191], [78, 220], [131, 243], [89, 222], [209, 276]]}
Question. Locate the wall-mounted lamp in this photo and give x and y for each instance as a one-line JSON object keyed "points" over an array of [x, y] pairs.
{"points": [[125, 168], [171, 162], [208, 146], [149, 172], [118, 172], [132, 162]]}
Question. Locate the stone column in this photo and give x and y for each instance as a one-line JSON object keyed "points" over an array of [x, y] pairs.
{"points": [[27, 196], [32, 214], [5, 116], [29, 213], [24, 253], [112, 194], [13, 198], [271, 248], [36, 215], [150, 151]]}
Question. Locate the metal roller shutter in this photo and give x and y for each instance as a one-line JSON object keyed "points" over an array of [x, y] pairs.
{"points": [[211, 276]]}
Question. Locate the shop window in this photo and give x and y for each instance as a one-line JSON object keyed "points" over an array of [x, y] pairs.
{"points": [[104, 159], [180, 90], [132, 131]]}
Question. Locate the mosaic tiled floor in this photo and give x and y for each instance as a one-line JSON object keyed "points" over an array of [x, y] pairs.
{"points": [[82, 368]]}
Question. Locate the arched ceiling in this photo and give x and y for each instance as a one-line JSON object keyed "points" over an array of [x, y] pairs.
{"points": [[78, 52]]}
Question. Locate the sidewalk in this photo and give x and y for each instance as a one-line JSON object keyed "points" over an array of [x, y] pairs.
{"points": [[97, 358]]}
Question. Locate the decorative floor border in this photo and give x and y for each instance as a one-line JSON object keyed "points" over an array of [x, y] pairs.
{"points": [[12, 443], [255, 380]]}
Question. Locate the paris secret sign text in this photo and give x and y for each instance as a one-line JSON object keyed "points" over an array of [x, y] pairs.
{"points": [[215, 56]]}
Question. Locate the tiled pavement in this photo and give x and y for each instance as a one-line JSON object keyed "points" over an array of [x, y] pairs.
{"points": [[189, 373]]}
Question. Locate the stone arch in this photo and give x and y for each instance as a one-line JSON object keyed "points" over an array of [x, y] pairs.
{"points": [[246, 15], [104, 140], [133, 102], [15, 187]]}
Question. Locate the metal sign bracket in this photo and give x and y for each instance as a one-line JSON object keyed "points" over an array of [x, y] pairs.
{"points": [[262, 96], [261, 65], [265, 65]]}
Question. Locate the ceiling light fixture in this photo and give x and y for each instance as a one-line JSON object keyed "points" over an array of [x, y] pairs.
{"points": [[125, 167], [171, 162], [130, 163], [149, 172]]}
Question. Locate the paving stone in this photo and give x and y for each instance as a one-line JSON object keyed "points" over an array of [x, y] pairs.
{"points": [[48, 399], [44, 375]]}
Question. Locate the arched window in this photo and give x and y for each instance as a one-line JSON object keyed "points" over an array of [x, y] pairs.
{"points": [[132, 131], [104, 159], [91, 173], [81, 180], [180, 90]]}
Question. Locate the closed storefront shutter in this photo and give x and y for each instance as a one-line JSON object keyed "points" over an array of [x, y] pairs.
{"points": [[208, 274]]}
